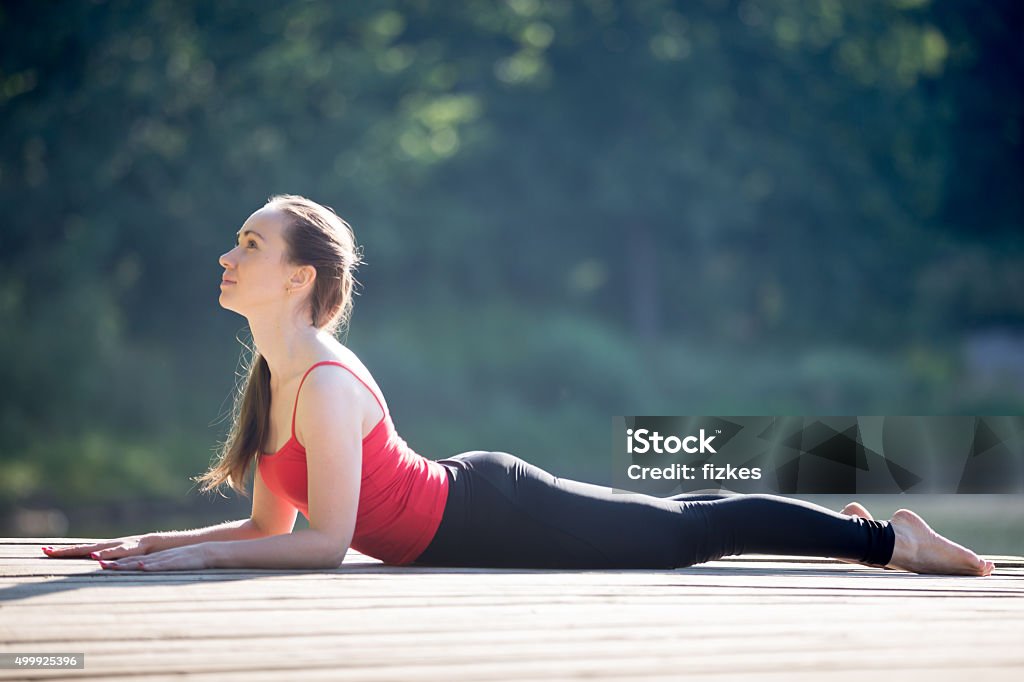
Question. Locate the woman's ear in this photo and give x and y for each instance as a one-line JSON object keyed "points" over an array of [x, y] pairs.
{"points": [[302, 278]]}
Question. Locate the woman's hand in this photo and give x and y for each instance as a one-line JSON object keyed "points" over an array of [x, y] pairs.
{"points": [[132, 545], [186, 558]]}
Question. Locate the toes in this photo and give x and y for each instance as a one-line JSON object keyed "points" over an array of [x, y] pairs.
{"points": [[856, 509]]}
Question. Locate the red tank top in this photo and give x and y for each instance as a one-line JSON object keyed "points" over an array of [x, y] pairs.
{"points": [[401, 496]]}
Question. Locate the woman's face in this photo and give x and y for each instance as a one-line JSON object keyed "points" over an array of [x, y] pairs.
{"points": [[256, 275]]}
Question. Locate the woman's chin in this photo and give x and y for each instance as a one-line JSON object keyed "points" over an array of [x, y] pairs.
{"points": [[225, 306]]}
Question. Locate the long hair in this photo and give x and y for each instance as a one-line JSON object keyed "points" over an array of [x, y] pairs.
{"points": [[314, 235]]}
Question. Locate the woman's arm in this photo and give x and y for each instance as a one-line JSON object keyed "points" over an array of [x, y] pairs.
{"points": [[243, 529], [270, 516], [149, 543], [329, 426], [305, 548]]}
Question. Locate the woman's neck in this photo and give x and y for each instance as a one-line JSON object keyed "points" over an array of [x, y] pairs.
{"points": [[288, 343]]}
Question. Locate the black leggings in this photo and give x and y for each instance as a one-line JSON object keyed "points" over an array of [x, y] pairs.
{"points": [[503, 512]]}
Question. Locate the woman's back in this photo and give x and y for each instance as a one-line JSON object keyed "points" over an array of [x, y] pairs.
{"points": [[283, 398], [402, 494]]}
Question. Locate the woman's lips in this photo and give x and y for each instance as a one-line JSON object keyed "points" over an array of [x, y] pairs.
{"points": [[225, 281]]}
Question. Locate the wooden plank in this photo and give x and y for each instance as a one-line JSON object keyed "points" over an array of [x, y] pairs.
{"points": [[760, 616], [529, 664]]}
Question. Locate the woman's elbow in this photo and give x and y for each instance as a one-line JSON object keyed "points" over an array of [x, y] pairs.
{"points": [[331, 557], [334, 560], [326, 548]]}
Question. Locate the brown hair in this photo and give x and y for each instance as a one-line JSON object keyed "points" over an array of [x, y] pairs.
{"points": [[314, 235]]}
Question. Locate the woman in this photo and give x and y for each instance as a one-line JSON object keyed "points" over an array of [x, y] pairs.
{"points": [[317, 426]]}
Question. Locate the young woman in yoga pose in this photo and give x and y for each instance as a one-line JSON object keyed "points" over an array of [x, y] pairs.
{"points": [[315, 424]]}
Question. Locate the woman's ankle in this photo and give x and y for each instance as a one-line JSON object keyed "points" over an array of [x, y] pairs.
{"points": [[905, 548]]}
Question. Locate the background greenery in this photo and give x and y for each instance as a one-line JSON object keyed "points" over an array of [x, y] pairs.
{"points": [[569, 210]]}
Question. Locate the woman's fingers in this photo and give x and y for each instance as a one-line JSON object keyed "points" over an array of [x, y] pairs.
{"points": [[130, 554], [131, 563], [188, 558], [77, 550], [104, 549], [127, 563], [115, 552]]}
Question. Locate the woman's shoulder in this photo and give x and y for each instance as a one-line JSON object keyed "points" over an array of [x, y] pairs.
{"points": [[340, 355]]}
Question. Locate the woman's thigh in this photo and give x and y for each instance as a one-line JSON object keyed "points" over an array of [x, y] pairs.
{"points": [[507, 512]]}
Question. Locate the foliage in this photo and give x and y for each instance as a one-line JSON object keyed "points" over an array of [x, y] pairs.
{"points": [[569, 210]]}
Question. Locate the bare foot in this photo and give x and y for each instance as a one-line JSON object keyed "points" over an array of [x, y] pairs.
{"points": [[857, 509], [919, 549]]}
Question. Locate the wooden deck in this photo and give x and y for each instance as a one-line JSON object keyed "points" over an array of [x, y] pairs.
{"points": [[749, 617]]}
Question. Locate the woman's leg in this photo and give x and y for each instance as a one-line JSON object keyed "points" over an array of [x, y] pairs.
{"points": [[922, 550], [505, 512], [857, 509], [691, 497]]}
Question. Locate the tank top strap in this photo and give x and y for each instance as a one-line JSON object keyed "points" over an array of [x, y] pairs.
{"points": [[295, 408]]}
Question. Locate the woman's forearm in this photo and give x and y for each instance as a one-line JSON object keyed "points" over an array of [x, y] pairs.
{"points": [[305, 548], [243, 529]]}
